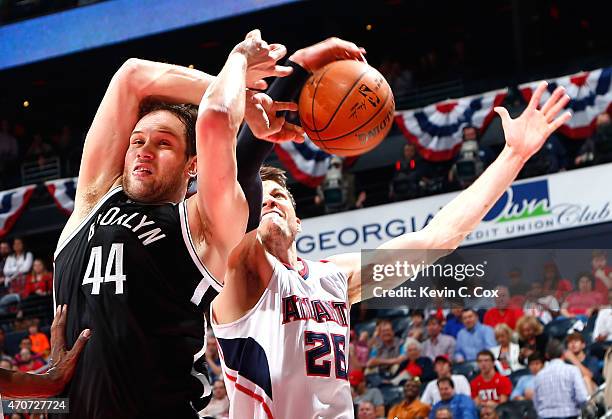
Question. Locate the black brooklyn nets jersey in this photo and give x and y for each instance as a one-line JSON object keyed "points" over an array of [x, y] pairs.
{"points": [[130, 273]]}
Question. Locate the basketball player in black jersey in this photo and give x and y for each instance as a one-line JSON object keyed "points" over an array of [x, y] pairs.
{"points": [[136, 263]]}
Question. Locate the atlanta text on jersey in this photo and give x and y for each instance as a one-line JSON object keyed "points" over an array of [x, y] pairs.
{"points": [[302, 308]]}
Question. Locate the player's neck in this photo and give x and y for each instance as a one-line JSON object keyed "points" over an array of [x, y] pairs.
{"points": [[287, 255]]}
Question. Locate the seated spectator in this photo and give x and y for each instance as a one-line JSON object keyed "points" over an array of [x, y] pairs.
{"points": [[506, 353], [444, 413], [543, 306], [338, 190], [502, 312], [26, 343], [212, 357], [39, 150], [359, 351], [489, 387], [5, 251], [27, 362], [588, 365], [603, 324], [411, 407], [387, 355], [40, 342], [488, 412], [437, 344], [19, 263], [602, 139], [460, 405], [474, 338], [453, 322], [361, 393], [39, 281], [442, 366], [417, 366], [553, 284], [417, 327], [583, 301], [524, 386], [601, 272], [517, 285], [559, 390], [366, 410], [218, 407], [531, 337]]}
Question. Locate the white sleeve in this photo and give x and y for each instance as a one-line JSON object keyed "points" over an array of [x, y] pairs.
{"points": [[462, 386], [26, 267], [598, 324], [10, 267], [427, 396]]}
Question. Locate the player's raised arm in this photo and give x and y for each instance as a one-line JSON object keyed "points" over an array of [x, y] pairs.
{"points": [[221, 206], [117, 115], [525, 135]]}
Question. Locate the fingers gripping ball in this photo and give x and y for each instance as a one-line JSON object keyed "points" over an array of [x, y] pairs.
{"points": [[346, 108]]}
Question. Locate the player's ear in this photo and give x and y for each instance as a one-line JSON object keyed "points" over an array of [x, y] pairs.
{"points": [[299, 225], [192, 166]]}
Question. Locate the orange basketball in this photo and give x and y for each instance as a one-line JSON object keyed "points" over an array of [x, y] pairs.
{"points": [[346, 108]]}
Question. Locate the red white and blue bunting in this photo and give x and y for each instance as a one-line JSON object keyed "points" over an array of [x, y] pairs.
{"points": [[590, 93], [436, 130], [63, 191], [12, 204], [306, 162]]}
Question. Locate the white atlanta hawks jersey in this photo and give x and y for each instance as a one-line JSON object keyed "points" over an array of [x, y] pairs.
{"points": [[287, 357]]}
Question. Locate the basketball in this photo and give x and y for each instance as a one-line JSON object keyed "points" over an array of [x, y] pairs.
{"points": [[346, 108]]}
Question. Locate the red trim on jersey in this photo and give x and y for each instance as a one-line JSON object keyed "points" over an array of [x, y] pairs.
{"points": [[302, 272], [250, 393]]}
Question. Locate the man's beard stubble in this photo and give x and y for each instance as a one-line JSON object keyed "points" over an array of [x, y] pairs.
{"points": [[158, 191]]}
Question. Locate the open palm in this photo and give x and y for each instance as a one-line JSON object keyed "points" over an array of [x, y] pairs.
{"points": [[526, 134]]}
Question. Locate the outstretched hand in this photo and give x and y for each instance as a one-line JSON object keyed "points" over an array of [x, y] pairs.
{"points": [[62, 362], [319, 55], [526, 134], [261, 60], [260, 115]]}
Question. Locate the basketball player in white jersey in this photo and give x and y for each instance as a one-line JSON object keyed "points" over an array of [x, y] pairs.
{"points": [[282, 322]]}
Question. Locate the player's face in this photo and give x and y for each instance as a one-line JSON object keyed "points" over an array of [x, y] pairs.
{"points": [[278, 219], [156, 167]]}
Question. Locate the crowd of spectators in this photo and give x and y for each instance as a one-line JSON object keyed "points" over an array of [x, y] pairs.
{"points": [[460, 362], [25, 308]]}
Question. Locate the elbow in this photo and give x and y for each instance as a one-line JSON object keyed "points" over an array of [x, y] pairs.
{"points": [[129, 76]]}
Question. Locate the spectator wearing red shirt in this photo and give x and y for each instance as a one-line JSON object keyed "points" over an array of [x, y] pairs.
{"points": [[585, 300], [27, 362], [502, 312], [489, 387], [38, 282], [553, 284], [602, 272]]}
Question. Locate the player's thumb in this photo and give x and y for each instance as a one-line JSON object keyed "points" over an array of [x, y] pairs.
{"points": [[503, 114]]}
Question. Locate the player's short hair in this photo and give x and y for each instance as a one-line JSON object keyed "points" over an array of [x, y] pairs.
{"points": [[186, 113], [278, 176]]}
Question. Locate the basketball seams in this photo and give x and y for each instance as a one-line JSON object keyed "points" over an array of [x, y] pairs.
{"points": [[362, 125], [313, 101], [348, 92]]}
